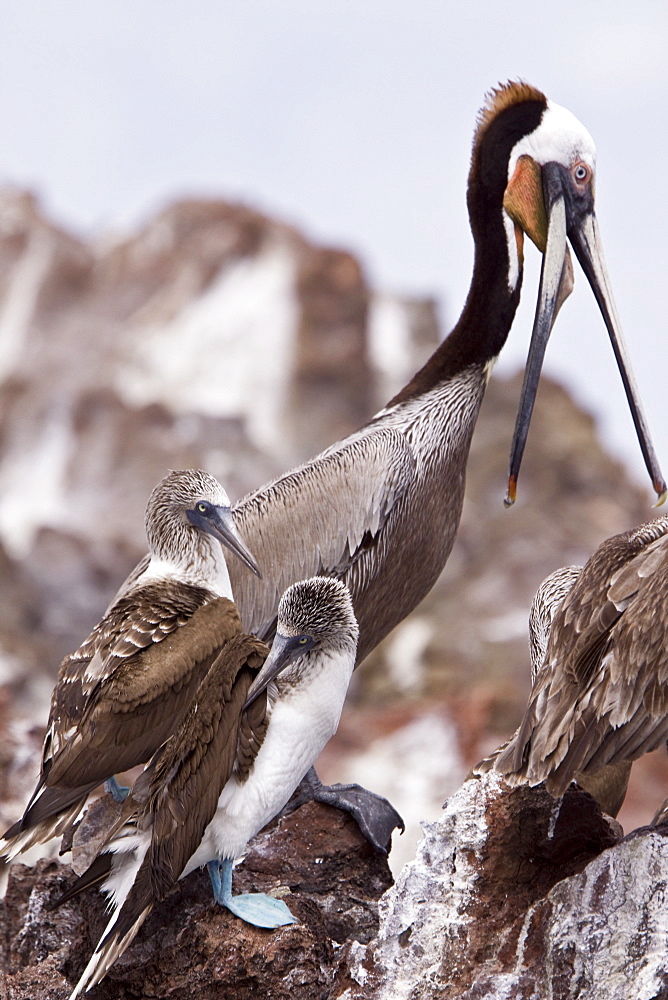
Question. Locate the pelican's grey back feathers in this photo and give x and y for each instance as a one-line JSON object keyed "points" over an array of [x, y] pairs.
{"points": [[378, 510], [286, 517]]}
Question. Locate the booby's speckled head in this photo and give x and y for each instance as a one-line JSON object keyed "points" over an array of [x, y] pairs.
{"points": [[185, 506], [321, 608], [314, 616]]}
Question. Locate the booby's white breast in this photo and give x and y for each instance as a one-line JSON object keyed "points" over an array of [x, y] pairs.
{"points": [[304, 717]]}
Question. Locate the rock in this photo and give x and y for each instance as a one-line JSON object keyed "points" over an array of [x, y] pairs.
{"points": [[514, 896], [315, 858]]}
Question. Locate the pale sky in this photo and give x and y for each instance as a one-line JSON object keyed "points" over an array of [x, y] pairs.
{"points": [[353, 120]]}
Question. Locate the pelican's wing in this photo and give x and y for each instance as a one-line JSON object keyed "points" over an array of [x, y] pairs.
{"points": [[315, 519], [600, 696]]}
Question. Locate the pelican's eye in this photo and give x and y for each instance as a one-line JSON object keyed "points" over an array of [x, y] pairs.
{"points": [[581, 173]]}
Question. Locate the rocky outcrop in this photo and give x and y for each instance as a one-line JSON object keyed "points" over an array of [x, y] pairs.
{"points": [[316, 859], [512, 895]]}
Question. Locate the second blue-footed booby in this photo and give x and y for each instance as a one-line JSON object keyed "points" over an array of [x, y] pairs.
{"points": [[599, 700], [380, 509], [245, 744], [128, 685]]}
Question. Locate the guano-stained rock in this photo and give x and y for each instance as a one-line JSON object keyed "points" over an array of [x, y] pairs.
{"points": [[512, 895]]}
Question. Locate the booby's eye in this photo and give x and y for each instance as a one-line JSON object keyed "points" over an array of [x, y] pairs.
{"points": [[581, 173], [303, 639], [202, 508]]}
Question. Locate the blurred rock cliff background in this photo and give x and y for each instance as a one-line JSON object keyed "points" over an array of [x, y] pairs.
{"points": [[217, 337]]}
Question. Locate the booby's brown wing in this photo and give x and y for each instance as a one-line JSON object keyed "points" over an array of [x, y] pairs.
{"points": [[292, 539], [600, 697], [176, 796], [141, 694], [184, 780], [126, 718], [133, 624]]}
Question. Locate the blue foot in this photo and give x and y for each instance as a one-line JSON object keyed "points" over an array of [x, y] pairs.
{"points": [[254, 907], [119, 793]]}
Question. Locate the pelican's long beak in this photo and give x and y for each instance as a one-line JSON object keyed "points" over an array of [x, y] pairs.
{"points": [[573, 218], [586, 243], [221, 525], [555, 267], [282, 652]]}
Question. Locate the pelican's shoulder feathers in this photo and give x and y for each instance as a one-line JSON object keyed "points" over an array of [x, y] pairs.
{"points": [[284, 521]]}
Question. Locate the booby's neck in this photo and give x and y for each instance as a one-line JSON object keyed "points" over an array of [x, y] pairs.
{"points": [[199, 565], [494, 293], [332, 665]]}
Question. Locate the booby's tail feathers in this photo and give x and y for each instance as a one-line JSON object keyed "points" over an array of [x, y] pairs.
{"points": [[128, 885], [50, 813]]}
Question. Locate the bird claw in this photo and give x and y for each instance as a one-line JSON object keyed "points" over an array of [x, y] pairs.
{"points": [[375, 816]]}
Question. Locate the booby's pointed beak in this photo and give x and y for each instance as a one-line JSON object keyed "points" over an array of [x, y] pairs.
{"points": [[571, 216], [219, 522], [227, 532], [284, 650]]}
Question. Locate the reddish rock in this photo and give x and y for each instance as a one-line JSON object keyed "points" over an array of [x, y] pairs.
{"points": [[316, 858]]}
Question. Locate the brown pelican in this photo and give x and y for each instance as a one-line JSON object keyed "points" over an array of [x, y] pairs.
{"points": [[607, 785], [120, 695], [599, 700], [380, 509], [548, 599], [240, 752]]}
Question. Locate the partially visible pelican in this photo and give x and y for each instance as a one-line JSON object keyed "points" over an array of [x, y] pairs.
{"points": [[129, 684], [600, 699], [607, 785], [380, 509], [242, 749]]}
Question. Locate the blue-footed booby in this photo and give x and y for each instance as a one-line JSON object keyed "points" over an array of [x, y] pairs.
{"points": [[128, 685], [244, 746], [599, 699], [380, 509]]}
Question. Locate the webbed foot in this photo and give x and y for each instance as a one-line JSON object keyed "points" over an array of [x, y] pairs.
{"points": [[255, 908], [375, 816], [119, 793]]}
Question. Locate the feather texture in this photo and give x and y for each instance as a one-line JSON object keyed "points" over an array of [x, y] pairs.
{"points": [[122, 693], [600, 698]]}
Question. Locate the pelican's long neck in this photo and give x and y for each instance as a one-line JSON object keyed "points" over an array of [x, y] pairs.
{"points": [[494, 293]]}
